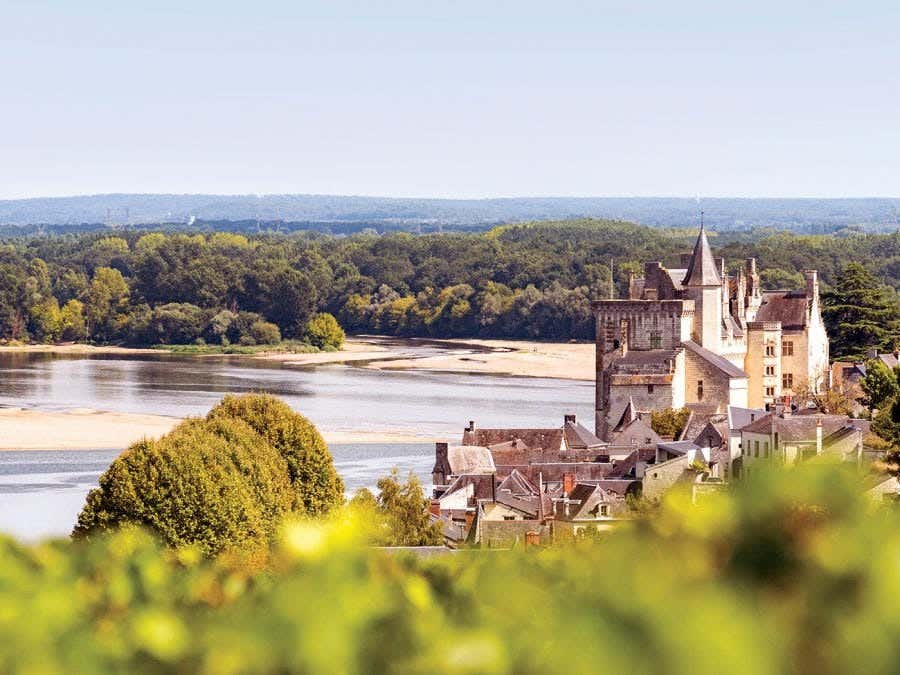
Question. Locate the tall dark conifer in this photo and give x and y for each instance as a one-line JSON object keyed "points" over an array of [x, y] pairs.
{"points": [[860, 313]]}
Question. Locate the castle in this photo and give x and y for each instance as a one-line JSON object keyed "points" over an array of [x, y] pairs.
{"points": [[699, 337]]}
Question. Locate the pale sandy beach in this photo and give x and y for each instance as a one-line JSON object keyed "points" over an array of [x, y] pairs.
{"points": [[569, 361], [83, 429]]}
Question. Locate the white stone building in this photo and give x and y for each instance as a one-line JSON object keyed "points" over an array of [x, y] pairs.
{"points": [[698, 336]]}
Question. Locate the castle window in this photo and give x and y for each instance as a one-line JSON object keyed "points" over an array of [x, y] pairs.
{"points": [[655, 339], [770, 391], [604, 509], [649, 388], [787, 381], [770, 370], [787, 348], [699, 390], [770, 349], [756, 448]]}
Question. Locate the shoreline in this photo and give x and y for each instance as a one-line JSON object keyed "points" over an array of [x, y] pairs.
{"points": [[517, 358], [82, 429]]}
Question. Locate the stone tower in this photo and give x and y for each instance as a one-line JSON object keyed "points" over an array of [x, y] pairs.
{"points": [[703, 285]]}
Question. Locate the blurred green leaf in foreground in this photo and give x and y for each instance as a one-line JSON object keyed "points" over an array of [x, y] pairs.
{"points": [[795, 571]]}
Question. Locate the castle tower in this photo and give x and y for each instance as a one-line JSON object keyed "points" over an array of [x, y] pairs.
{"points": [[703, 286]]}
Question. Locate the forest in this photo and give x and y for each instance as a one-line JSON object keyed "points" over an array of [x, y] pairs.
{"points": [[530, 280]]}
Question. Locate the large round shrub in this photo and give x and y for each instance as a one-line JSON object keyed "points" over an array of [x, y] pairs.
{"points": [[216, 483], [317, 486], [323, 330]]}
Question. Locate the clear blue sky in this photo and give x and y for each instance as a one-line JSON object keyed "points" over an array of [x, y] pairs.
{"points": [[456, 99]]}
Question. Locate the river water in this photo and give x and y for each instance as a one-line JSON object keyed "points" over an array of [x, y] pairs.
{"points": [[42, 491]]}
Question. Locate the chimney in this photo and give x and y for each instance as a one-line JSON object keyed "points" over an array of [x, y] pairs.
{"points": [[818, 436], [434, 508], [441, 471], [568, 483], [569, 418], [812, 285], [623, 339]]}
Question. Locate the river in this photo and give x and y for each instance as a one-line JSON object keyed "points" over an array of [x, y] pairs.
{"points": [[41, 491]]}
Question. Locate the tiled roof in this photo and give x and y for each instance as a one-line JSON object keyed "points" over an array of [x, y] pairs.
{"points": [[470, 459], [788, 307], [719, 362]]}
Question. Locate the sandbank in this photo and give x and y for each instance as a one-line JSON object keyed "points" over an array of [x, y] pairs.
{"points": [[86, 429]]}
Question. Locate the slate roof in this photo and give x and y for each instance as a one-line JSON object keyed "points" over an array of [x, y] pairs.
{"points": [[719, 362], [702, 269], [482, 485], [637, 432], [645, 360], [798, 428], [588, 497], [625, 468], [677, 277], [740, 417], [580, 438], [788, 307], [678, 447], [629, 415]]}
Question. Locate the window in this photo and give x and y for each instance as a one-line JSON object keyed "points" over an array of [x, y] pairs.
{"points": [[787, 348], [787, 381], [766, 449], [756, 448], [604, 509], [655, 339], [770, 391], [699, 390], [649, 388], [770, 370], [509, 517], [770, 349]]}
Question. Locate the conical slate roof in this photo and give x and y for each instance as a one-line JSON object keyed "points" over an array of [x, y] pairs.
{"points": [[702, 269]]}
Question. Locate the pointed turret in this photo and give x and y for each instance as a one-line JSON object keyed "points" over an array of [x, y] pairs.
{"points": [[702, 268]]}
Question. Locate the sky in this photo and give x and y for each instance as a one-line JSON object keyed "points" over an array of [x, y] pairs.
{"points": [[450, 99]]}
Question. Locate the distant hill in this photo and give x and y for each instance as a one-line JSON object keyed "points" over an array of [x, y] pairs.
{"points": [[347, 214]]}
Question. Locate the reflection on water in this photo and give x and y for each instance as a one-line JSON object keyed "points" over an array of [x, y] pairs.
{"points": [[334, 397], [41, 492]]}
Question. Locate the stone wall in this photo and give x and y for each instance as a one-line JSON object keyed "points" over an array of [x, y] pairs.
{"points": [[661, 477], [716, 384]]}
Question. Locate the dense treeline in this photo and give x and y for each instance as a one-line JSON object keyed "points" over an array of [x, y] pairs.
{"points": [[532, 280]]}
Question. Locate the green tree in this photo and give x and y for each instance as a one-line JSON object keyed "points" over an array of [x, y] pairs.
{"points": [[669, 422], [45, 320], [214, 483], [400, 511], [265, 333], [860, 313], [71, 320], [107, 302], [886, 424], [880, 385], [323, 330], [317, 487]]}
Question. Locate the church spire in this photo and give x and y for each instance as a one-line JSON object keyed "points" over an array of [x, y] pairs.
{"points": [[702, 269]]}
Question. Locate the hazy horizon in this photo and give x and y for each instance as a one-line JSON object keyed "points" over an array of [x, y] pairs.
{"points": [[452, 101]]}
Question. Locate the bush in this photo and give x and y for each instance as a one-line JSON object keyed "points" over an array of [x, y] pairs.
{"points": [[215, 483], [317, 486], [265, 333], [668, 422], [323, 331], [794, 572]]}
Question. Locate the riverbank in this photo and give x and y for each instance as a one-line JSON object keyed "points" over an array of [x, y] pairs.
{"points": [[86, 429], [522, 358]]}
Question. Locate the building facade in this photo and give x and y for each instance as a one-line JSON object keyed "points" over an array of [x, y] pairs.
{"points": [[696, 335]]}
